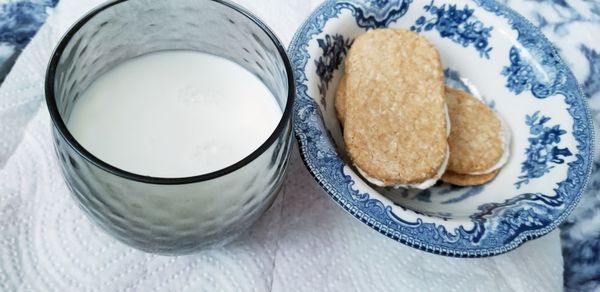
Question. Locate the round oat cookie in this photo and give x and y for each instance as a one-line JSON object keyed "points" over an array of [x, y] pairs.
{"points": [[340, 100], [395, 120], [476, 139], [465, 180]]}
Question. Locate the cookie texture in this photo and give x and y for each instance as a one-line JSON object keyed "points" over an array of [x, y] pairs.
{"points": [[395, 120], [340, 100], [476, 138], [465, 180]]}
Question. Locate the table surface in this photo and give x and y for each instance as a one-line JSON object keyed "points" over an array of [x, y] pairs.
{"points": [[574, 26]]}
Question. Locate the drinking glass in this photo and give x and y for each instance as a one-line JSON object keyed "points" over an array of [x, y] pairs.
{"points": [[169, 215]]}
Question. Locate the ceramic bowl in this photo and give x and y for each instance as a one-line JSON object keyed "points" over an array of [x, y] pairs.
{"points": [[502, 59]]}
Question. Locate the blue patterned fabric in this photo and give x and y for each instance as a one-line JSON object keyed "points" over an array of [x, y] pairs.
{"points": [[20, 20], [573, 26]]}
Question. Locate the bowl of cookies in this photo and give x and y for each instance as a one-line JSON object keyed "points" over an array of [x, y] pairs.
{"points": [[450, 126]]}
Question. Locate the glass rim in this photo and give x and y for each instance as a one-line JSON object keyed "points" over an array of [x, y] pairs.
{"points": [[62, 129]]}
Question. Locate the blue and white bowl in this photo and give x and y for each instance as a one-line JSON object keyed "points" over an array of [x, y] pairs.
{"points": [[499, 57]]}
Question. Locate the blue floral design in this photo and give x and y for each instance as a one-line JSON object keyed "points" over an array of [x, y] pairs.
{"points": [[528, 212], [521, 75], [543, 150], [334, 51], [459, 25], [485, 237], [379, 3], [375, 13]]}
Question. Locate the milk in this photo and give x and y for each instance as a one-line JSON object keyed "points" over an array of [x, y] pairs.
{"points": [[174, 114]]}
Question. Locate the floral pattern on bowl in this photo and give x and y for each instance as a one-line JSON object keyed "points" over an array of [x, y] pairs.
{"points": [[500, 58]]}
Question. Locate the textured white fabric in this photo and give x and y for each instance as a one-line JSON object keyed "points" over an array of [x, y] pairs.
{"points": [[304, 243]]}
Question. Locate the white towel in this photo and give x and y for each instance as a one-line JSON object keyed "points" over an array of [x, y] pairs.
{"points": [[304, 243]]}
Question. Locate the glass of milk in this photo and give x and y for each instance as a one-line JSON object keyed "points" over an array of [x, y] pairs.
{"points": [[172, 120]]}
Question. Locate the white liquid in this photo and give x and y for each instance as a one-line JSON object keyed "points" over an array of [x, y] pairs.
{"points": [[174, 114]]}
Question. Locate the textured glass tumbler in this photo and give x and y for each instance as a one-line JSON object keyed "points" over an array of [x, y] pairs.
{"points": [[169, 215]]}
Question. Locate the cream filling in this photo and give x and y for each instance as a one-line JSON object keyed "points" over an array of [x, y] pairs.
{"points": [[427, 183], [421, 186], [506, 138], [448, 123]]}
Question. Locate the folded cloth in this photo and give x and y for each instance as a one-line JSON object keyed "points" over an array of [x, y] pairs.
{"points": [[304, 242]]}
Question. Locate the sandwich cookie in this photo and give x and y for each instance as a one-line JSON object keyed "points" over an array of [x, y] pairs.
{"points": [[479, 140], [340, 100], [393, 109]]}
